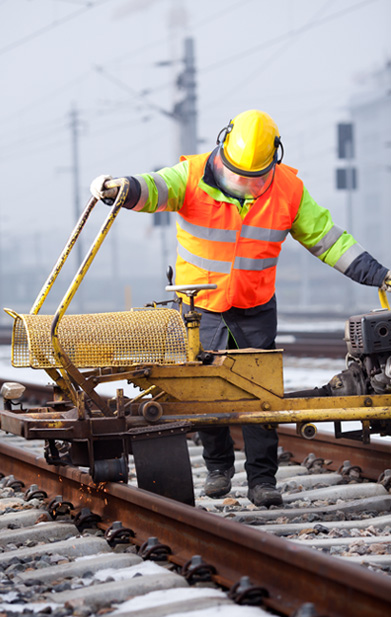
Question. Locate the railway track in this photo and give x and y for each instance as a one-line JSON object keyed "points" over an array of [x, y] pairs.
{"points": [[312, 344], [298, 343], [327, 552], [205, 551]]}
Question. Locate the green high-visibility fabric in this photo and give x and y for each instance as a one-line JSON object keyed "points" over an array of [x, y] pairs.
{"points": [[311, 225], [176, 180]]}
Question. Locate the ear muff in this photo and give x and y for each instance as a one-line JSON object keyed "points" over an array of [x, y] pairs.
{"points": [[278, 144], [222, 136]]}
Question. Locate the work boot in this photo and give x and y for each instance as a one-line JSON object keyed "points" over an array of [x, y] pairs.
{"points": [[264, 495], [218, 482]]}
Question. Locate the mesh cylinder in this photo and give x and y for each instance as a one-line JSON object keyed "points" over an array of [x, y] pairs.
{"points": [[97, 340]]}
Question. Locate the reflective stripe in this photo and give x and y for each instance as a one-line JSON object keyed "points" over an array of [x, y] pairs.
{"points": [[229, 235], [144, 195], [207, 233], [211, 265], [262, 233], [245, 263], [326, 242], [348, 257], [162, 192], [224, 267]]}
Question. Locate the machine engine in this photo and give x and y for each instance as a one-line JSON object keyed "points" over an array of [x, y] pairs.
{"points": [[368, 361]]}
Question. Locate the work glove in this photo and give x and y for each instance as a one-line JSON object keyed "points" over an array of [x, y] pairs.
{"points": [[386, 285], [108, 196], [99, 191]]}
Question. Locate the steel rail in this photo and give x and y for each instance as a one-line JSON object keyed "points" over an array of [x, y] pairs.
{"points": [[323, 345], [292, 575], [373, 458]]}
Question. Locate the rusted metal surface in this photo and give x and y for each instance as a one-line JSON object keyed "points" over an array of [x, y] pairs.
{"points": [[256, 411], [35, 394], [291, 574], [313, 344], [373, 458]]}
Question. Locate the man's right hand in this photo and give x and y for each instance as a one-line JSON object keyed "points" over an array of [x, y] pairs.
{"points": [[99, 191], [386, 286]]}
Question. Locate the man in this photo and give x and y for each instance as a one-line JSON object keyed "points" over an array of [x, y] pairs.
{"points": [[235, 208]]}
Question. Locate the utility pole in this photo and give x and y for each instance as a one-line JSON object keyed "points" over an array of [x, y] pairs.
{"points": [[185, 116], [1, 269], [185, 111], [75, 168], [346, 180]]}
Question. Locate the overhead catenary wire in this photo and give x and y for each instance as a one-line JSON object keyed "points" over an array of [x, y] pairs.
{"points": [[287, 37], [158, 41], [59, 22], [133, 92], [268, 62]]}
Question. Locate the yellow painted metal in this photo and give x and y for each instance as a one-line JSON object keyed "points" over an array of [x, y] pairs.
{"points": [[193, 333], [63, 258], [324, 409], [101, 339], [383, 299], [151, 349], [60, 377], [195, 416], [247, 386], [69, 369], [222, 415], [234, 375], [68, 374]]}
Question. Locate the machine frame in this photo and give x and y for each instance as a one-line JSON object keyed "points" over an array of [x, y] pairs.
{"points": [[208, 388]]}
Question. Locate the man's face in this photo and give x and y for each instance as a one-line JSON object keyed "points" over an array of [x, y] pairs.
{"points": [[241, 187]]}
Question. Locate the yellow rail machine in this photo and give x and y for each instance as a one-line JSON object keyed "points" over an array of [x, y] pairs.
{"points": [[182, 387]]}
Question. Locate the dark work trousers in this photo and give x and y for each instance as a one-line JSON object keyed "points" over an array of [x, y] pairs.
{"points": [[237, 329]]}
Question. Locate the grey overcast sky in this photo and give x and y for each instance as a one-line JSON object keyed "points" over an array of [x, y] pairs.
{"points": [[299, 60]]}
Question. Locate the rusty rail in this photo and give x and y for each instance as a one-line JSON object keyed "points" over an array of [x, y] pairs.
{"points": [[291, 575], [373, 458]]}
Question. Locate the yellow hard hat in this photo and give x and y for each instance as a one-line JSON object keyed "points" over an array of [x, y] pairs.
{"points": [[249, 143]]}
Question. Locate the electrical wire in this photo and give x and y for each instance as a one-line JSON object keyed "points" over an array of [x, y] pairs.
{"points": [[59, 22], [268, 62], [157, 42], [287, 35], [133, 92], [287, 38]]}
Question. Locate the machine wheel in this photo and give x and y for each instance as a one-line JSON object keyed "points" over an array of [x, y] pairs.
{"points": [[307, 430], [110, 470], [151, 411]]}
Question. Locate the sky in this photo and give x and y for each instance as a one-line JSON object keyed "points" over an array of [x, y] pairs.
{"points": [[115, 63]]}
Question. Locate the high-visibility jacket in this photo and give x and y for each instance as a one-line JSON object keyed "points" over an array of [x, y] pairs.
{"points": [[236, 249], [215, 245]]}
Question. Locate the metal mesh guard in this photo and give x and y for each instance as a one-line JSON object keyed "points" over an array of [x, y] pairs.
{"points": [[98, 340]]}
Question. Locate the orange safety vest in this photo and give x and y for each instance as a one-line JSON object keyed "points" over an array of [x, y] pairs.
{"points": [[215, 245]]}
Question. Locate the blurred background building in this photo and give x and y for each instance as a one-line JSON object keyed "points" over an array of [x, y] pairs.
{"points": [[67, 118]]}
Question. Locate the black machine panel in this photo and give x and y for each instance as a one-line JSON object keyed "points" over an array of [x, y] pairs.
{"points": [[369, 333]]}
